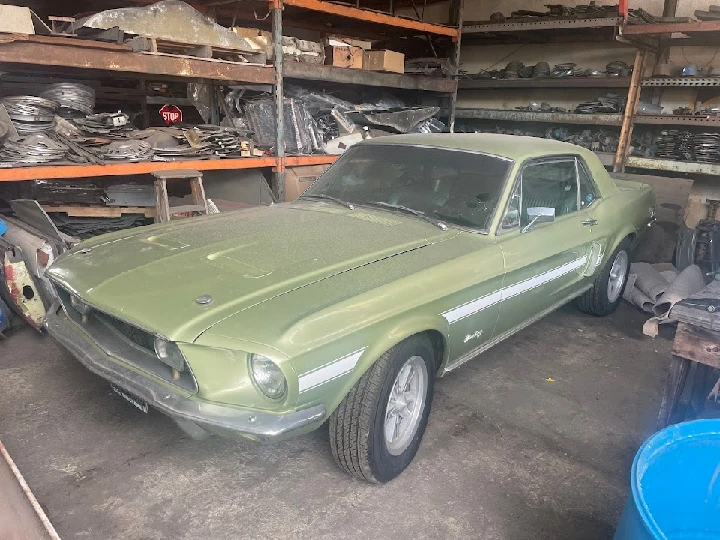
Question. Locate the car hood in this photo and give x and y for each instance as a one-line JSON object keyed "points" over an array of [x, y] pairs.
{"points": [[153, 276]]}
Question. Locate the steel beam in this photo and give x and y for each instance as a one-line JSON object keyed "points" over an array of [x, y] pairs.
{"points": [[314, 72], [279, 172], [372, 17], [552, 24], [547, 117], [121, 169]]}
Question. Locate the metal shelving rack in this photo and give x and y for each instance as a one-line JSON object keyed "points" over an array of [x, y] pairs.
{"points": [[47, 53], [345, 20], [695, 34], [644, 37]]}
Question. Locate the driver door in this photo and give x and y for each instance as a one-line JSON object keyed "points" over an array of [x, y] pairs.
{"points": [[546, 260]]}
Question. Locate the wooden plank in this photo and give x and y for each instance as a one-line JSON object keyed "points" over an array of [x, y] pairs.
{"points": [[62, 41], [99, 211], [120, 169], [630, 111], [674, 384], [697, 344], [666, 28], [40, 54], [367, 16]]}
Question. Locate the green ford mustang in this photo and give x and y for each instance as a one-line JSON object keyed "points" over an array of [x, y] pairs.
{"points": [[410, 256]]}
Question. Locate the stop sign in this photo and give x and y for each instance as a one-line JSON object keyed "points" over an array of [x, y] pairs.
{"points": [[171, 114]]}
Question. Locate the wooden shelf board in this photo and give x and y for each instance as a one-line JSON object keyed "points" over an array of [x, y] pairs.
{"points": [[30, 50]]}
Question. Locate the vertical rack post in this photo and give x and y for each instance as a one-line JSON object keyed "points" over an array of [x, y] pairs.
{"points": [[456, 19], [279, 171], [630, 111]]}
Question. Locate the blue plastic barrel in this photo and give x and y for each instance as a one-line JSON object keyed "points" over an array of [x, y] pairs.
{"points": [[675, 485]]}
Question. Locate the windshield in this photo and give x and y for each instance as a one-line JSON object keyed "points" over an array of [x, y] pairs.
{"points": [[456, 187]]}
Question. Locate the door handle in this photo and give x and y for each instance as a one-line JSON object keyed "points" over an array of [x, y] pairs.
{"points": [[590, 221]]}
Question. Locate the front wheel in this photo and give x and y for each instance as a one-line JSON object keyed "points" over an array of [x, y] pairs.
{"points": [[376, 430], [606, 292]]}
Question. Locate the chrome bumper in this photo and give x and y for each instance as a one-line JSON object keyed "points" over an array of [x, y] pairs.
{"points": [[192, 415]]}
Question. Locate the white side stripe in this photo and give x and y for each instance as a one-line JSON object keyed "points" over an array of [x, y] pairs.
{"points": [[474, 306], [329, 371]]}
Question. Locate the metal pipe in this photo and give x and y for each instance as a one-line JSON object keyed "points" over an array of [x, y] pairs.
{"points": [[29, 494], [279, 173], [456, 14]]}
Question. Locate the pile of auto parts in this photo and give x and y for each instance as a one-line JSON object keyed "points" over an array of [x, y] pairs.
{"points": [[130, 150], [609, 104], [707, 147], [32, 149], [115, 125], [30, 114], [73, 99], [618, 68], [675, 144]]}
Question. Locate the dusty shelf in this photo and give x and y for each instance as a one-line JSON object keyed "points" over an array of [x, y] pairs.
{"points": [[564, 82], [547, 117], [296, 70], [53, 51], [119, 169], [672, 120], [681, 81], [686, 167]]}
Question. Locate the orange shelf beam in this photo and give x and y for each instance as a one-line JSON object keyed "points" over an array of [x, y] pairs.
{"points": [[298, 161], [368, 16], [119, 169]]}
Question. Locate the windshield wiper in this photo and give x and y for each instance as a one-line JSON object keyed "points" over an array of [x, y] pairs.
{"points": [[458, 220], [346, 204], [412, 211]]}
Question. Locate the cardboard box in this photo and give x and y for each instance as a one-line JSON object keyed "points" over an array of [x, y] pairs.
{"points": [[344, 56], [298, 179], [384, 61]]}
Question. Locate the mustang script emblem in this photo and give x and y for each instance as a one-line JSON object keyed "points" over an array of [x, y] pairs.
{"points": [[474, 335]]}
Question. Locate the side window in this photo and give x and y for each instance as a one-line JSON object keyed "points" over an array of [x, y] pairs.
{"points": [[549, 185], [588, 191]]}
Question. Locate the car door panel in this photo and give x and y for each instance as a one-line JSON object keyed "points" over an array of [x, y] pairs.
{"points": [[545, 263]]}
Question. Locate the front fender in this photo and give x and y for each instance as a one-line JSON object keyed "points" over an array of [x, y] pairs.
{"points": [[360, 354]]}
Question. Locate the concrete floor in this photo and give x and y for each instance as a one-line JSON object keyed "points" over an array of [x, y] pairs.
{"points": [[507, 453]]}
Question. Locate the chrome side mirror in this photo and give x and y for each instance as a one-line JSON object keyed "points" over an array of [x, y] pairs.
{"points": [[539, 214]]}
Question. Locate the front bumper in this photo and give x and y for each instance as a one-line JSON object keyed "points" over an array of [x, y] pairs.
{"points": [[193, 415]]}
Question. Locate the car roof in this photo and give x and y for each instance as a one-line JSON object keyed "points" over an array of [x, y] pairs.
{"points": [[512, 147]]}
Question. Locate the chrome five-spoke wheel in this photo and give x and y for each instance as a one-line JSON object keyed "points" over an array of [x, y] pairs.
{"points": [[405, 405]]}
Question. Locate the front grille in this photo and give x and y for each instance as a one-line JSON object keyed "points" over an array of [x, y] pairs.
{"points": [[139, 337], [126, 342]]}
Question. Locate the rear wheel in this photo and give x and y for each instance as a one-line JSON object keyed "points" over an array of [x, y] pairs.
{"points": [[376, 430], [606, 292]]}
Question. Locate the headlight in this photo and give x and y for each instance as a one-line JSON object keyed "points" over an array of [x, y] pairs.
{"points": [[267, 376], [169, 353], [79, 305]]}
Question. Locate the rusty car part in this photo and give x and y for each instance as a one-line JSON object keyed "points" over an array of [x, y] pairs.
{"points": [[21, 289]]}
